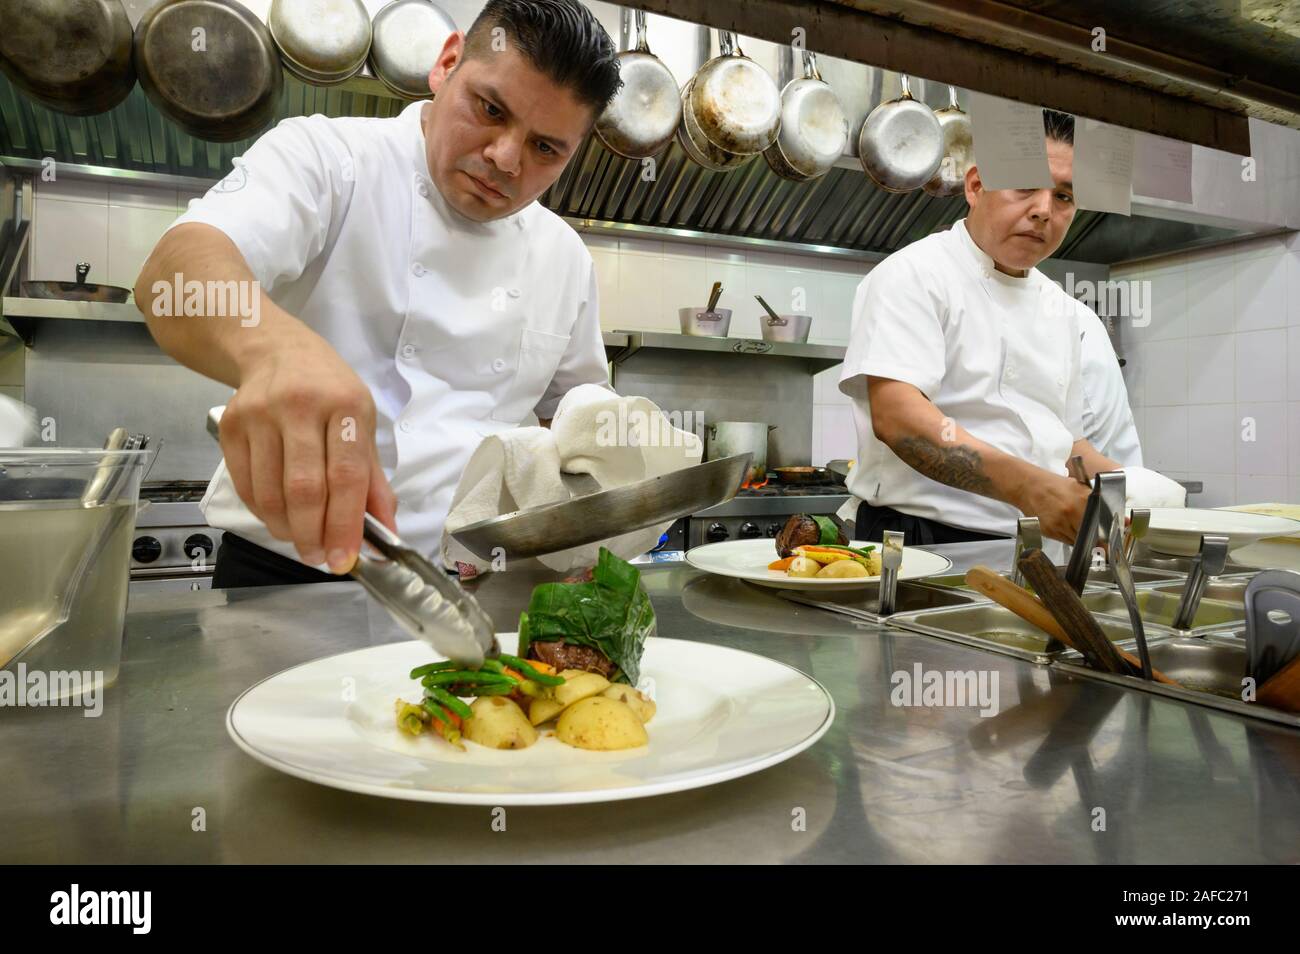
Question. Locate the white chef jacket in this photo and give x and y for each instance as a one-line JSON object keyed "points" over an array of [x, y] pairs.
{"points": [[1107, 417], [997, 354], [459, 328]]}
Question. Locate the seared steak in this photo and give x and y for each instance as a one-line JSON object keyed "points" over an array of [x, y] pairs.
{"points": [[564, 656], [801, 530]]}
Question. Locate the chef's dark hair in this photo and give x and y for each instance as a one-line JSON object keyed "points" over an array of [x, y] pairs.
{"points": [[1058, 126], [560, 38]]}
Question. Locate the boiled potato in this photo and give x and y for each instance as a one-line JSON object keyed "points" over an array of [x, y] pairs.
{"points": [[843, 570], [498, 723], [803, 567], [873, 563], [638, 702], [543, 709], [602, 724], [578, 685]]}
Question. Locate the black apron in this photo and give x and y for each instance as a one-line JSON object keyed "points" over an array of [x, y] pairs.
{"points": [[241, 562], [917, 531]]}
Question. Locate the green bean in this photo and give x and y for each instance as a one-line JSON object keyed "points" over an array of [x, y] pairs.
{"points": [[420, 671], [464, 676], [434, 709], [516, 663], [493, 665], [492, 690], [450, 701]]}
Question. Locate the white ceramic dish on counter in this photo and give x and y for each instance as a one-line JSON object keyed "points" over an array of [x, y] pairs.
{"points": [[748, 560], [1178, 530], [722, 714]]}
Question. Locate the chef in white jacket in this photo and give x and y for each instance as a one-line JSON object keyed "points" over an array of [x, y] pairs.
{"points": [[964, 365], [408, 295]]}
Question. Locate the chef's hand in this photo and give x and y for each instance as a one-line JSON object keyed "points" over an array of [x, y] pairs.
{"points": [[299, 441], [1058, 503]]}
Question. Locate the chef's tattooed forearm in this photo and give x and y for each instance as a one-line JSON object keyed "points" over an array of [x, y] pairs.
{"points": [[956, 466]]}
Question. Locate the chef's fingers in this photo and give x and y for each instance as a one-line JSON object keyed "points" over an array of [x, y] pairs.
{"points": [[266, 465], [381, 501], [305, 491], [234, 448], [347, 475]]}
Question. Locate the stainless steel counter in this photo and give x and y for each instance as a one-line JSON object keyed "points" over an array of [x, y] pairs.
{"points": [[886, 784]]}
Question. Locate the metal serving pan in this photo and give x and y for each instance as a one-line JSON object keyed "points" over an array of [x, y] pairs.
{"points": [[606, 513], [1214, 664], [1159, 605], [996, 629]]}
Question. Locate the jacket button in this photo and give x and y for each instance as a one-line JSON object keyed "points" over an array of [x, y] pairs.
{"points": [[499, 365], [405, 426], [417, 269], [423, 190], [408, 351], [513, 293]]}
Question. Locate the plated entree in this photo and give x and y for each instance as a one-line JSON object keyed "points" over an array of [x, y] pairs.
{"points": [[814, 547]]}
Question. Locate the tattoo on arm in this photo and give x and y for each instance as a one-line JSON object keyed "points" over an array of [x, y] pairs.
{"points": [[958, 466]]}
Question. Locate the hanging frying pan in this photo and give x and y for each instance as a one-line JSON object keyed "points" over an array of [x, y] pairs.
{"points": [[958, 154], [73, 56], [901, 143], [813, 130], [409, 35], [733, 103], [322, 42], [210, 66], [643, 115]]}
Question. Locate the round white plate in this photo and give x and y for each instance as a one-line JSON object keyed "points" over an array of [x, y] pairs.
{"points": [[1178, 529], [748, 560], [722, 713]]}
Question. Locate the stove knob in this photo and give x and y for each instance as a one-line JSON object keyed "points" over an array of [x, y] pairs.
{"points": [[199, 541], [716, 533], [750, 531], [146, 549], [773, 530]]}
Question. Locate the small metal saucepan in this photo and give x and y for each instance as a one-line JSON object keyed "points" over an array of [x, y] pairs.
{"points": [[949, 179], [80, 290], [709, 321], [210, 66], [73, 56], [643, 115], [322, 42], [733, 103], [408, 36], [727, 438], [791, 328], [901, 143], [814, 130]]}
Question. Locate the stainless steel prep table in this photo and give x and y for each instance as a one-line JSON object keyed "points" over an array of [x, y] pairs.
{"points": [[1177, 783]]}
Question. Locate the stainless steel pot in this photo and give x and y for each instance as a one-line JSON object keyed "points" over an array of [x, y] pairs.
{"points": [[901, 143], [322, 42], [408, 36], [73, 56], [643, 115], [221, 90], [80, 290], [733, 102], [814, 130], [709, 321], [728, 438], [789, 328], [949, 179]]}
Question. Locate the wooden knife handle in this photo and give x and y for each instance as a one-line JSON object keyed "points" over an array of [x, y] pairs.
{"points": [[1029, 608], [1282, 690]]}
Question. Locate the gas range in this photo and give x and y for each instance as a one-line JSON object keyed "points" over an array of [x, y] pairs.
{"points": [[760, 512], [173, 544]]}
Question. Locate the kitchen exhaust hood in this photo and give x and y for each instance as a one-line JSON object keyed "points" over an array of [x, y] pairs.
{"points": [[843, 213]]}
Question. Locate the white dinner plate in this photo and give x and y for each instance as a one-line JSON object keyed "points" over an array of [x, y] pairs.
{"points": [[748, 560], [1178, 529], [722, 713]]}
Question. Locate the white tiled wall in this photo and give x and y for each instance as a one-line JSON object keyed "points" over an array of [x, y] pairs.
{"points": [[1215, 378], [644, 282], [111, 226]]}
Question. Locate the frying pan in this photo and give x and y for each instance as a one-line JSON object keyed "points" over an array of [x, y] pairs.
{"points": [[901, 143], [698, 147], [210, 66], [732, 103], [322, 42], [80, 290], [958, 154], [606, 513], [73, 56], [642, 117], [408, 36], [802, 475], [813, 130]]}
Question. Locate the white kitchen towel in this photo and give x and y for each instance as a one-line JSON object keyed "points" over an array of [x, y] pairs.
{"points": [[1146, 490], [611, 440], [17, 422]]}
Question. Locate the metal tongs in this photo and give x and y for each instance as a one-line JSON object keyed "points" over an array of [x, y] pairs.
{"points": [[891, 559], [1209, 561], [1113, 496], [421, 597]]}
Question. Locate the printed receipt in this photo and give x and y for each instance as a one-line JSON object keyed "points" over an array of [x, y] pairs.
{"points": [[1103, 166], [1162, 168], [1010, 146]]}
